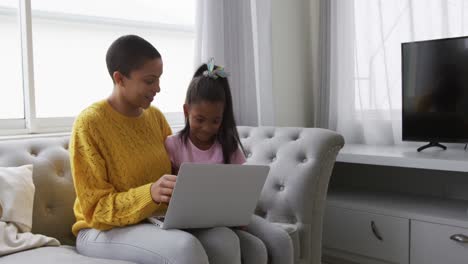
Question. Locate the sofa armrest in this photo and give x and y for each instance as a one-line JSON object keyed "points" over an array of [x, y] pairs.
{"points": [[294, 194]]}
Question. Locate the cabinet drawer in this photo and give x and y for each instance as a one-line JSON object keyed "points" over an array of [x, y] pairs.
{"points": [[431, 243], [378, 237]]}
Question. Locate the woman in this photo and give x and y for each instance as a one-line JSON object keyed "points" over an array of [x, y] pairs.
{"points": [[121, 171]]}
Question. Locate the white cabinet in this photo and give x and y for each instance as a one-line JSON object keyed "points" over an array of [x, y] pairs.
{"points": [[373, 236], [435, 243], [415, 229], [376, 228]]}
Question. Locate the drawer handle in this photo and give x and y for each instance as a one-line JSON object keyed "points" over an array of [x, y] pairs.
{"points": [[376, 231], [459, 238]]}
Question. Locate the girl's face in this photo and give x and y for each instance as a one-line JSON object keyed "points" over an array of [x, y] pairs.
{"points": [[140, 88], [204, 119]]}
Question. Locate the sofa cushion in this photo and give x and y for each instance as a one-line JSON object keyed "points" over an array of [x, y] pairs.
{"points": [[17, 196], [52, 255]]}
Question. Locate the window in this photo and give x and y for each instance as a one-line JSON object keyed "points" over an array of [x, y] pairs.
{"points": [[365, 60], [69, 42], [11, 97], [379, 29]]}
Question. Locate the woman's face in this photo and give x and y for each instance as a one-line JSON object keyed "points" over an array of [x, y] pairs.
{"points": [[140, 88]]}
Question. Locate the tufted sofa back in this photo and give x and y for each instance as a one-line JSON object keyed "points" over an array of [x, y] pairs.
{"points": [[293, 197], [301, 161], [54, 195]]}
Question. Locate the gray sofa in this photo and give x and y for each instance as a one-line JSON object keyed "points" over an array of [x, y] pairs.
{"points": [[293, 197]]}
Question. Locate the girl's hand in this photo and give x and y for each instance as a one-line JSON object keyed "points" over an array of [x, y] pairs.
{"points": [[161, 190]]}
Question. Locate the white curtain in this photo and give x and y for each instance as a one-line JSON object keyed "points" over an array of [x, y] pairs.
{"points": [[238, 35], [363, 77]]}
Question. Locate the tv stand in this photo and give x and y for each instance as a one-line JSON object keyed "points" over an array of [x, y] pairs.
{"points": [[414, 201], [432, 144]]}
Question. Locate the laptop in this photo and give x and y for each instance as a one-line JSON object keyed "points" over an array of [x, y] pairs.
{"points": [[210, 195]]}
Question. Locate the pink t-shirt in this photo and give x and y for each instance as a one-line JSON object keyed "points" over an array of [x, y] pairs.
{"points": [[180, 153]]}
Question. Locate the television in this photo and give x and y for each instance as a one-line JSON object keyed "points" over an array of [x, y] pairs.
{"points": [[435, 91]]}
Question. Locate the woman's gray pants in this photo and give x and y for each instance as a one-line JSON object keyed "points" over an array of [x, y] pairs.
{"points": [[145, 243]]}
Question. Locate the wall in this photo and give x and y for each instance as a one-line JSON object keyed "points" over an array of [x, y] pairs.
{"points": [[292, 68]]}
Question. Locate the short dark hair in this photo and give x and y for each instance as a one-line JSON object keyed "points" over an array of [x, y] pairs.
{"points": [[129, 53], [204, 88]]}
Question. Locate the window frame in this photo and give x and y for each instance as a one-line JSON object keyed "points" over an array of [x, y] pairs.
{"points": [[31, 124]]}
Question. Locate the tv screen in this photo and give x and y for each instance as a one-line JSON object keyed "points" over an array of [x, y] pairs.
{"points": [[435, 90]]}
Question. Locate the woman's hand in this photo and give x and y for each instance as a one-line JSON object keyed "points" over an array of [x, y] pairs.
{"points": [[161, 190]]}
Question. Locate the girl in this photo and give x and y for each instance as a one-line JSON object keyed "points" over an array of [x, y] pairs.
{"points": [[210, 136], [210, 133]]}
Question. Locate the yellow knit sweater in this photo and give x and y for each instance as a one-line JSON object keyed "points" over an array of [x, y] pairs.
{"points": [[114, 161]]}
